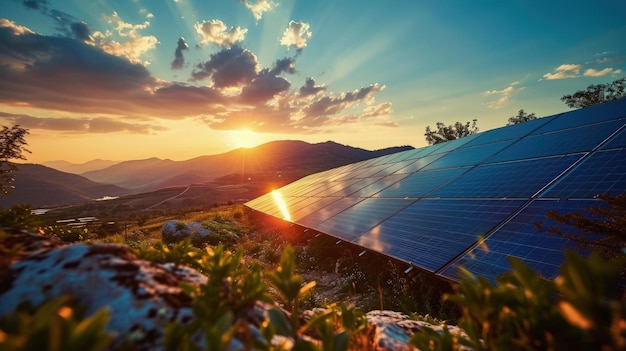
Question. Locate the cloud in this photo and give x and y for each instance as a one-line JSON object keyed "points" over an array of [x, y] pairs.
{"points": [[66, 23], [259, 7], [603, 72], [129, 44], [267, 84], [80, 124], [231, 67], [215, 31], [309, 88], [179, 59], [64, 74], [296, 34], [564, 71], [98, 91], [504, 95], [16, 29], [330, 105]]}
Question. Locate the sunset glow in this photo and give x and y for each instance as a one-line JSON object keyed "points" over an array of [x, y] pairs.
{"points": [[179, 79]]}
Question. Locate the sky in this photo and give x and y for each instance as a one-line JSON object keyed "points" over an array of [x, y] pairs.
{"points": [[176, 79]]}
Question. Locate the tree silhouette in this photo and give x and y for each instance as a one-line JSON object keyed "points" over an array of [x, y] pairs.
{"points": [[596, 94], [521, 117], [12, 146], [451, 132]]}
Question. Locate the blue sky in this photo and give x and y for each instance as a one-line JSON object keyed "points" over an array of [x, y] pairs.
{"points": [[133, 79]]}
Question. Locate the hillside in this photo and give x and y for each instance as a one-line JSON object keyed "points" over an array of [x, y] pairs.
{"points": [[296, 158], [39, 185]]}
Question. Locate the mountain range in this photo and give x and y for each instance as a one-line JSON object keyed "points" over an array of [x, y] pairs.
{"points": [[39, 185]]}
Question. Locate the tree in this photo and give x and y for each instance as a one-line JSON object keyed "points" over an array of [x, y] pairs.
{"points": [[445, 133], [521, 118], [596, 94], [12, 146]]}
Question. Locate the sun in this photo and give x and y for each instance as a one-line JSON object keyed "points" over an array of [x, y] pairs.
{"points": [[244, 138]]}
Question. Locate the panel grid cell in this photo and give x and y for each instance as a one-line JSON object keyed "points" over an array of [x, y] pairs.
{"points": [[582, 139], [352, 222], [421, 183], [520, 179], [521, 238], [430, 233], [602, 172], [468, 156]]}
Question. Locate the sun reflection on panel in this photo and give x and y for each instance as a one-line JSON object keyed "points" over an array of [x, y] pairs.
{"points": [[282, 205]]}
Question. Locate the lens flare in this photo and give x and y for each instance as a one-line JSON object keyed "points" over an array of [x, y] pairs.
{"points": [[282, 205]]}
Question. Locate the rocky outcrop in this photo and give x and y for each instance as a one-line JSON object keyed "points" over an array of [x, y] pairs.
{"points": [[142, 296], [175, 231]]}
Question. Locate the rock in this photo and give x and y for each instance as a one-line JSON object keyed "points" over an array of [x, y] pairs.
{"points": [[143, 297], [394, 329], [176, 231]]}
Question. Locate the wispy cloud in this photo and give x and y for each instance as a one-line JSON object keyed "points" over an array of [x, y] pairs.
{"points": [[503, 95], [216, 32], [296, 34], [259, 7], [80, 124], [603, 72], [567, 70]]}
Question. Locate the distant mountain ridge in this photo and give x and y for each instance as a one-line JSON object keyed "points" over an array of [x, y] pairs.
{"points": [[277, 156], [78, 168], [38, 186]]}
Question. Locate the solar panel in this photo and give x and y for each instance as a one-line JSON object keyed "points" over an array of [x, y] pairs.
{"points": [[561, 142], [519, 237], [602, 172], [519, 179], [430, 233], [469, 202], [361, 217]]}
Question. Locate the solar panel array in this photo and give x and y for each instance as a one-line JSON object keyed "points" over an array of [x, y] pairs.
{"points": [[469, 202]]}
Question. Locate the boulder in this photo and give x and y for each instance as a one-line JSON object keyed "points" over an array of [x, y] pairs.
{"points": [[142, 297], [176, 231]]}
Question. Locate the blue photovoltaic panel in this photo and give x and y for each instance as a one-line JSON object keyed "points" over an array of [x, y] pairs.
{"points": [[421, 183], [363, 216], [520, 238], [430, 233], [602, 172], [419, 163], [618, 141], [330, 188], [314, 218], [317, 205], [520, 179], [470, 201], [468, 156], [593, 114], [567, 141], [374, 188], [362, 183], [454, 144], [513, 132]]}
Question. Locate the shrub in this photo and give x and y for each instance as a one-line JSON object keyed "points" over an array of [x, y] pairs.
{"points": [[583, 309], [55, 325]]}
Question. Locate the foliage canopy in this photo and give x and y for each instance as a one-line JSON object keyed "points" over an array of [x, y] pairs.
{"points": [[596, 94], [445, 133]]}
